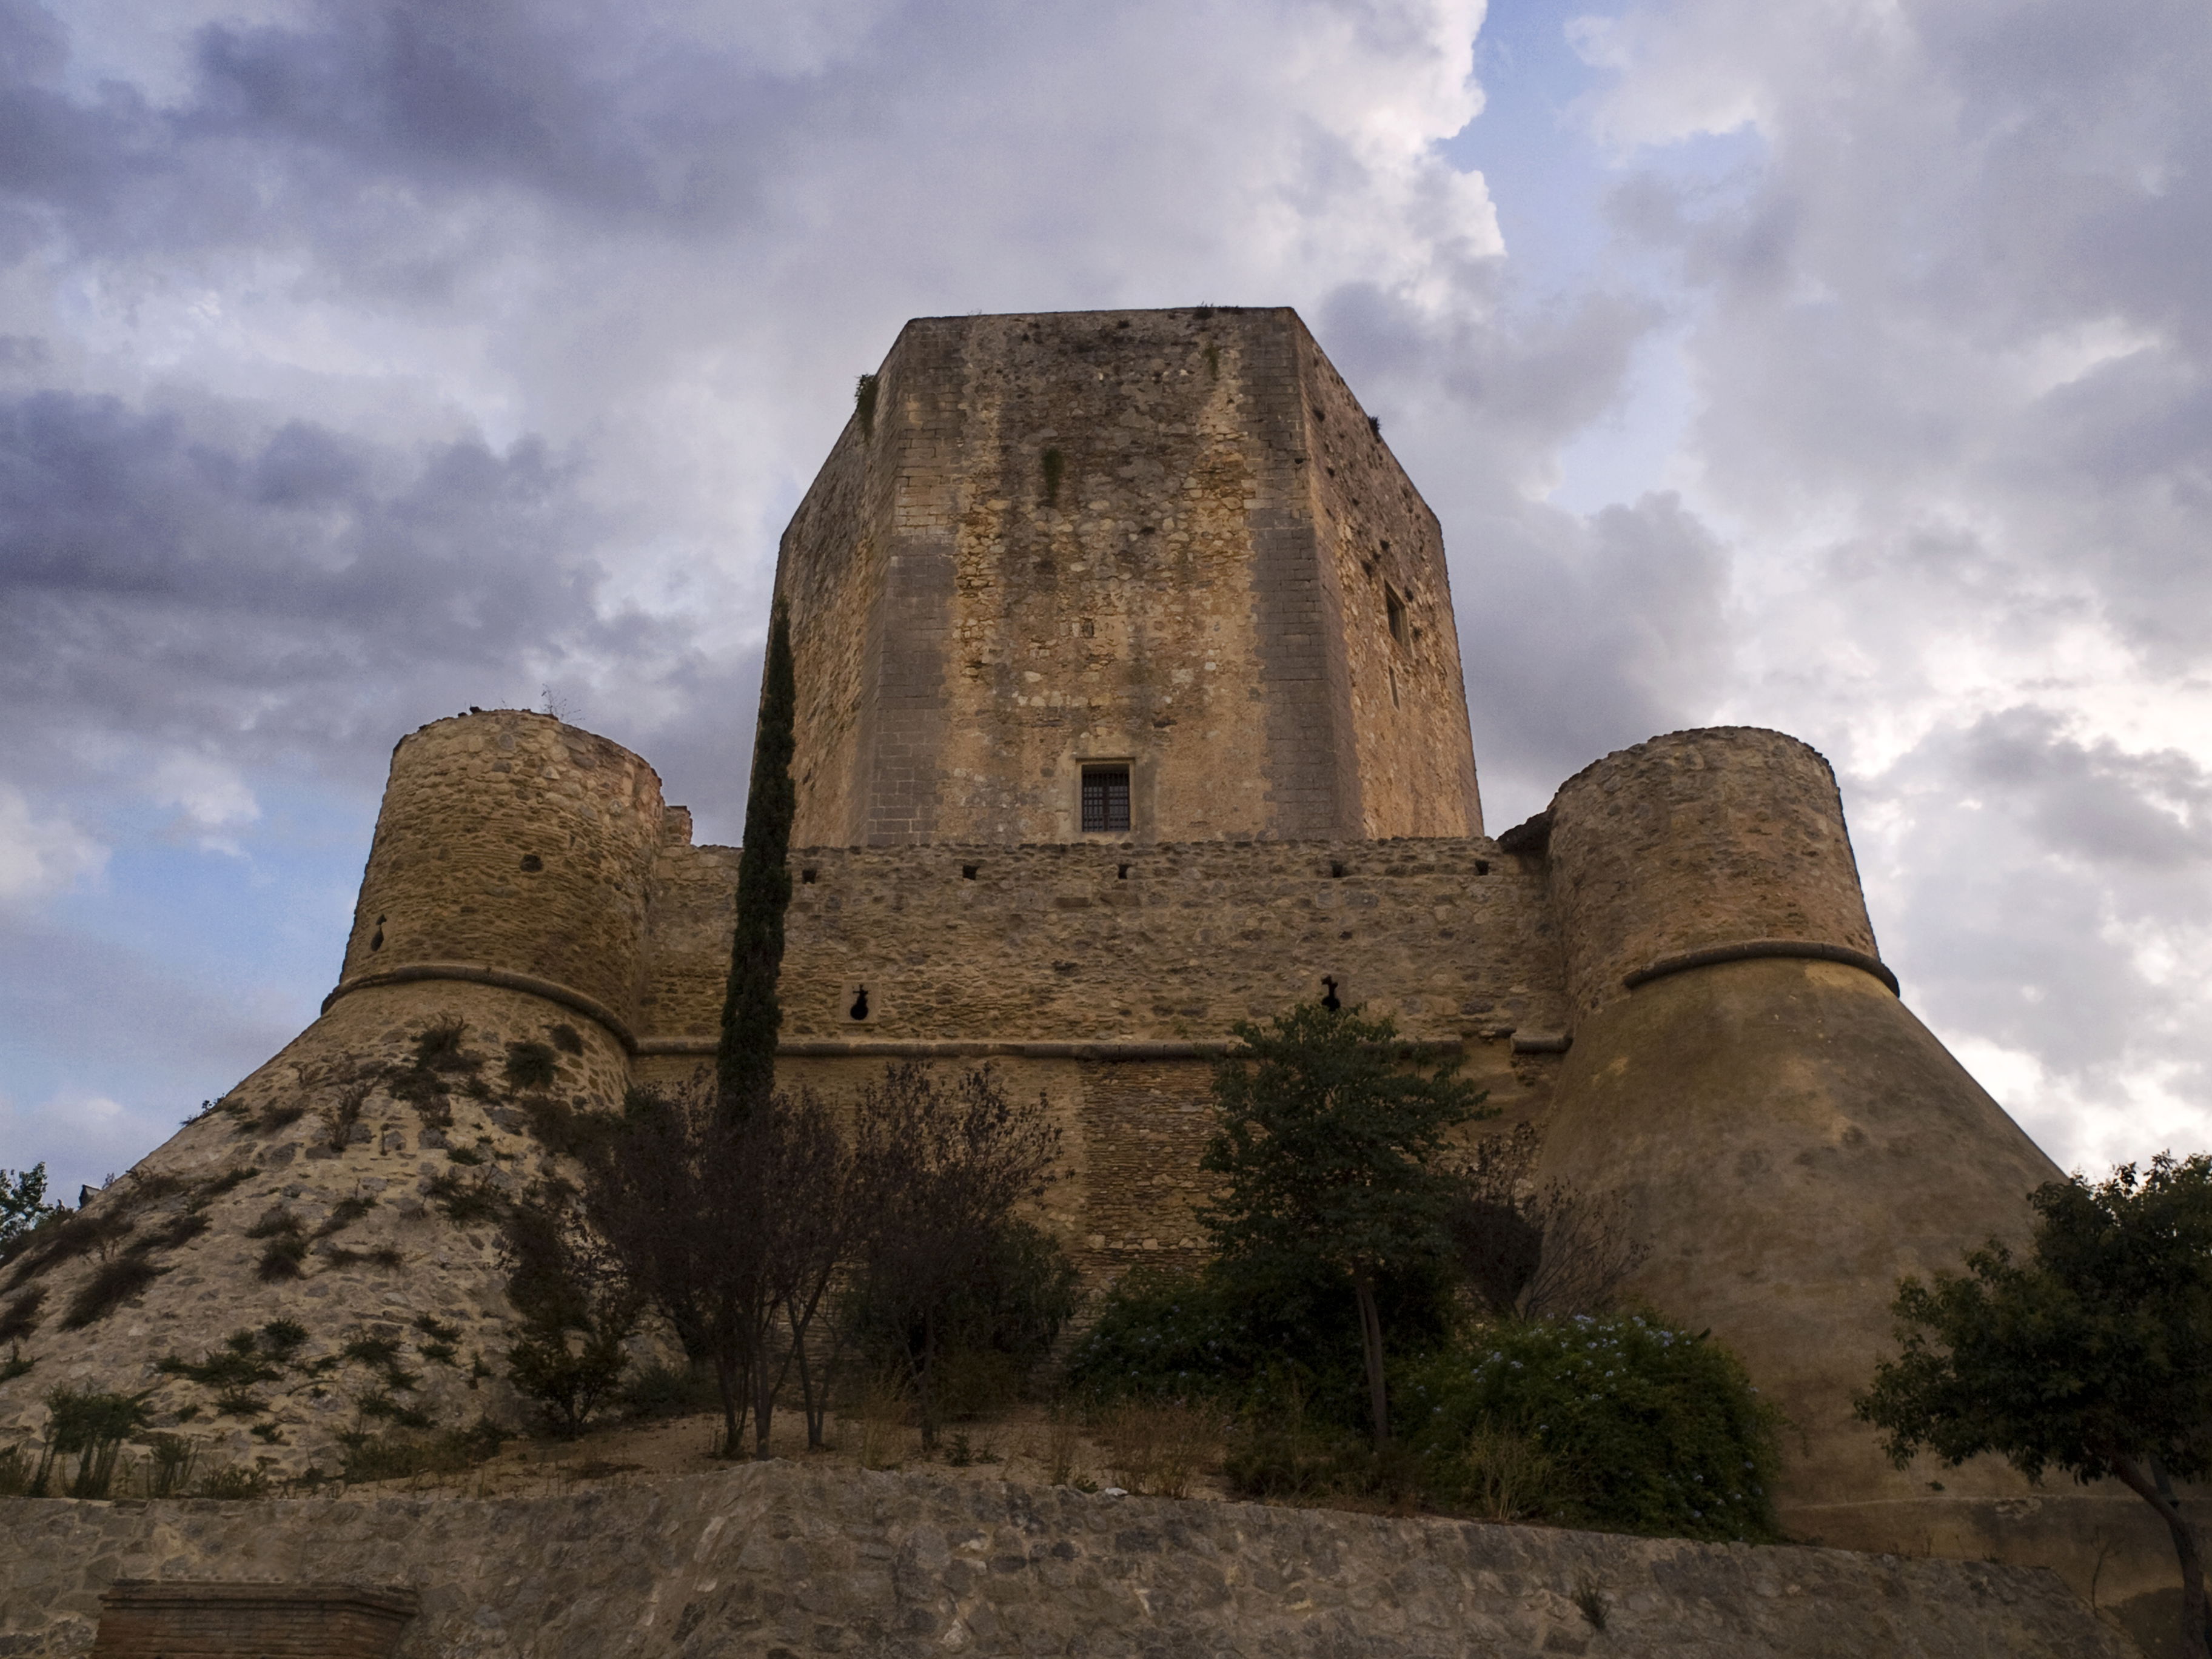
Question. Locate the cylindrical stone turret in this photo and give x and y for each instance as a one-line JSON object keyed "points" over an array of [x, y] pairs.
{"points": [[1727, 840], [1768, 1118], [512, 844]]}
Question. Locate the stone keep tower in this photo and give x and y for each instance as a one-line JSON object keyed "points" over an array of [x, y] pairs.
{"points": [[1159, 560]]}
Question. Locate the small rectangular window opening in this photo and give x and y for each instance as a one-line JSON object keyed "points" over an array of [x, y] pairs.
{"points": [[806, 877], [1105, 800], [1395, 608], [967, 871]]}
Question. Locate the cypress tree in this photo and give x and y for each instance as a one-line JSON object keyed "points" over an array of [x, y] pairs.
{"points": [[745, 1059]]}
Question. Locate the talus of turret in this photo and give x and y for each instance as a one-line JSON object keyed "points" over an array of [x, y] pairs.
{"points": [[1746, 1086]]}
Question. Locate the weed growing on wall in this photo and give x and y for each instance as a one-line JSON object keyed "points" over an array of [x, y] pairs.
{"points": [[1620, 1422]]}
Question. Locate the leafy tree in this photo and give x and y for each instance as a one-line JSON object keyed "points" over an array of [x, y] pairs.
{"points": [[23, 1203], [1614, 1421], [1328, 1148], [2093, 1355], [745, 1058]]}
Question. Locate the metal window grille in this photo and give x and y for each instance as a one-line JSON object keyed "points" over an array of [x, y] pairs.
{"points": [[1105, 799]]}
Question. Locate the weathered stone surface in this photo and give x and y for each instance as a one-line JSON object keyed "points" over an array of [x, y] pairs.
{"points": [[1716, 837], [1168, 539], [780, 1558]]}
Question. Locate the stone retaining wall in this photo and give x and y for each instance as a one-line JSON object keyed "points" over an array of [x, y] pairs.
{"points": [[785, 1559]]}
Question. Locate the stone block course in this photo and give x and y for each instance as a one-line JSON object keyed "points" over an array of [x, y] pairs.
{"points": [[782, 1558]]}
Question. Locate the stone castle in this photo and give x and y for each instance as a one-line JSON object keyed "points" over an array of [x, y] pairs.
{"points": [[1130, 707]]}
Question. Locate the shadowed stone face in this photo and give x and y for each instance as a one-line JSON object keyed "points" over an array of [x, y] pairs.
{"points": [[1166, 543]]}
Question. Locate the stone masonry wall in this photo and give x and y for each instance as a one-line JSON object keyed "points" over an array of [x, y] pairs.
{"points": [[1067, 966], [341, 1146], [1414, 755], [511, 841], [1096, 537], [1075, 942], [1695, 840], [828, 564], [785, 1559]]}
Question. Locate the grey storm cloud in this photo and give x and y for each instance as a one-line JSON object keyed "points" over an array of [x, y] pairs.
{"points": [[361, 361], [1580, 634], [164, 578], [2051, 887]]}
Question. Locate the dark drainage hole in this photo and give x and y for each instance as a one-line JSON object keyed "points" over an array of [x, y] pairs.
{"points": [[533, 863], [967, 871]]}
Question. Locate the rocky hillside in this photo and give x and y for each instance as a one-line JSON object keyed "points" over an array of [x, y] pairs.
{"points": [[316, 1255]]}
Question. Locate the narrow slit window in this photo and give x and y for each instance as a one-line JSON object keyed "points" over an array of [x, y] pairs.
{"points": [[1394, 611], [1105, 800]]}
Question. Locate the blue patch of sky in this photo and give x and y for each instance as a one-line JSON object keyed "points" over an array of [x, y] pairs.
{"points": [[268, 917], [1551, 181]]}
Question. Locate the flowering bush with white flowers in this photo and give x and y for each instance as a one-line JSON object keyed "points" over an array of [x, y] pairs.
{"points": [[1621, 1422]]}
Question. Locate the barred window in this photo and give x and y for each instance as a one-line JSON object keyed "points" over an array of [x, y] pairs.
{"points": [[1106, 799]]}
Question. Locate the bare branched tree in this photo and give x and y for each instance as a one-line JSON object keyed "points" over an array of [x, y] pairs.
{"points": [[815, 1234], [717, 1221], [1537, 1249], [941, 1167]]}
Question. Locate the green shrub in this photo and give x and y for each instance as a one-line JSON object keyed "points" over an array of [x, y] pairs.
{"points": [[531, 1065], [670, 1391], [62, 1236], [438, 1046], [17, 1472], [91, 1428], [235, 1480], [466, 1202], [114, 1282], [1166, 1335], [365, 1456], [239, 1364], [169, 1473], [990, 1332], [1620, 1422], [568, 1379], [21, 1317], [1251, 1333]]}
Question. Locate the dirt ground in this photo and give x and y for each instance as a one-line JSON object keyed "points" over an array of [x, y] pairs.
{"points": [[1027, 1444]]}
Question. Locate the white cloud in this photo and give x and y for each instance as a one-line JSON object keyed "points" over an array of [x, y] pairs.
{"points": [[41, 855], [210, 795]]}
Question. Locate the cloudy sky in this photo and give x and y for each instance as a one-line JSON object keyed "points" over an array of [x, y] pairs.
{"points": [[1843, 366]]}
